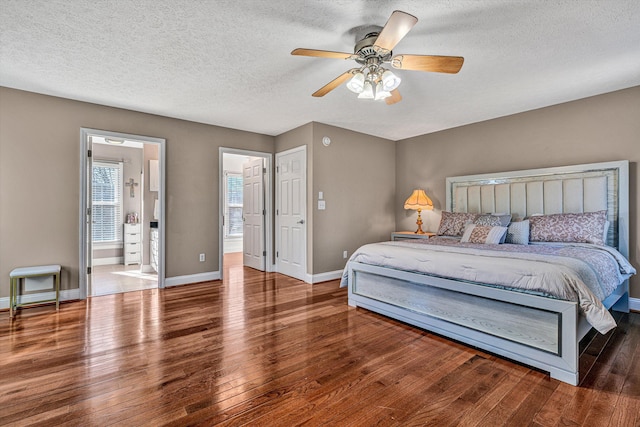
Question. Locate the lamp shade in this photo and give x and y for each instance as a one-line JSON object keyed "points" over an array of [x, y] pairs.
{"points": [[367, 91], [418, 200], [356, 84], [390, 81], [380, 93]]}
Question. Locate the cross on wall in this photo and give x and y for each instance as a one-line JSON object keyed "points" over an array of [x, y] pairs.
{"points": [[131, 186]]}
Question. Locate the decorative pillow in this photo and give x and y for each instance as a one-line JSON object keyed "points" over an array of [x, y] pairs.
{"points": [[488, 219], [452, 223], [486, 234], [569, 227], [518, 233], [494, 219], [501, 219]]}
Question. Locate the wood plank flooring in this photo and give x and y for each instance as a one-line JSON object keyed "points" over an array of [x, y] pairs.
{"points": [[267, 350]]}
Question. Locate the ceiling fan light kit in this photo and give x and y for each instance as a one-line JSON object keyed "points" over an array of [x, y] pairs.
{"points": [[371, 80]]}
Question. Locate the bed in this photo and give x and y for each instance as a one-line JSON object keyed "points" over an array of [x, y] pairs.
{"points": [[446, 287]]}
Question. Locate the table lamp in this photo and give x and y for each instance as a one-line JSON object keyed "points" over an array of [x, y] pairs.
{"points": [[418, 200]]}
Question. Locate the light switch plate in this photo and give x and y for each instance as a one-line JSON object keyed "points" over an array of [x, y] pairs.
{"points": [[321, 205]]}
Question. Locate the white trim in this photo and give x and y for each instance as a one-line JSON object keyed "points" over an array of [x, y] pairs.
{"points": [[634, 304], [192, 278], [325, 277], [83, 244], [108, 261], [65, 295], [268, 204]]}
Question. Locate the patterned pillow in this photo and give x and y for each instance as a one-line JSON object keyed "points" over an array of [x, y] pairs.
{"points": [[518, 233], [486, 234], [487, 219], [452, 223], [570, 227], [494, 219]]}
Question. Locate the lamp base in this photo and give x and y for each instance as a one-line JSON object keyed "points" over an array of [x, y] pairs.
{"points": [[419, 224]]}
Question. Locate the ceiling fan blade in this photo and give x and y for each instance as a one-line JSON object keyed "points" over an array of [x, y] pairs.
{"points": [[395, 97], [321, 53], [333, 84], [398, 25], [436, 64]]}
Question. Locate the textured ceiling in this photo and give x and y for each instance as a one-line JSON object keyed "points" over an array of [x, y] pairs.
{"points": [[228, 63]]}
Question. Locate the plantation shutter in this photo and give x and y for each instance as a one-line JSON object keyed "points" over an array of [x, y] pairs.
{"points": [[233, 225], [107, 202]]}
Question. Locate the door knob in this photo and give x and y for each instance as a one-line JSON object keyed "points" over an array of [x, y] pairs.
{"points": [[301, 221]]}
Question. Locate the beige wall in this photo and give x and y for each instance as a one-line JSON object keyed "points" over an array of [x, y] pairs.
{"points": [[40, 172], [596, 129], [364, 187], [356, 173]]}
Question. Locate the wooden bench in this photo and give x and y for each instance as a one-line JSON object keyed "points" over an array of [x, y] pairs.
{"points": [[22, 273]]}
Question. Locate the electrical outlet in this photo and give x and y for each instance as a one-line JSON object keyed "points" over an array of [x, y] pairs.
{"points": [[344, 254], [201, 257]]}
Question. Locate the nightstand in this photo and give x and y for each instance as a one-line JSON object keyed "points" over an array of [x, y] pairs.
{"points": [[406, 235]]}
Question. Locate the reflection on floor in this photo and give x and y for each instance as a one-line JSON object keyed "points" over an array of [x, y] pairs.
{"points": [[232, 264], [114, 279]]}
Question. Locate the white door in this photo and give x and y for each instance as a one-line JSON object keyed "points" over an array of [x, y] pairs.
{"points": [[89, 217], [291, 197], [253, 214]]}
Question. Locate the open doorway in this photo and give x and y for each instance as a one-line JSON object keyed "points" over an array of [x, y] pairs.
{"points": [[121, 213], [245, 209]]}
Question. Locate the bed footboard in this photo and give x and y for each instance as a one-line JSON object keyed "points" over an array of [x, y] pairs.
{"points": [[538, 331]]}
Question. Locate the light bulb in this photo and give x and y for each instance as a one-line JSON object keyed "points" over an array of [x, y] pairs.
{"points": [[356, 84], [380, 92], [367, 91], [390, 81]]}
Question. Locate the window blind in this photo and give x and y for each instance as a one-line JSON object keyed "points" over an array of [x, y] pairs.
{"points": [[233, 205], [106, 206]]}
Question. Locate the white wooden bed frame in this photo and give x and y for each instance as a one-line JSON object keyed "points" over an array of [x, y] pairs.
{"points": [[537, 331]]}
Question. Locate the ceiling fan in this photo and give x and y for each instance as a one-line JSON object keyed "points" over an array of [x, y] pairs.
{"points": [[371, 80]]}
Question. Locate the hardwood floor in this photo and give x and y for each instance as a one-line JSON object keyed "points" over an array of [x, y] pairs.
{"points": [[264, 349]]}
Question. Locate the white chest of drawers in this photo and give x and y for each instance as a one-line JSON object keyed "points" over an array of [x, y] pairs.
{"points": [[132, 244], [153, 248]]}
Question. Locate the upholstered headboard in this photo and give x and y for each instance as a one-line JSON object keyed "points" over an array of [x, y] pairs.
{"points": [[569, 189]]}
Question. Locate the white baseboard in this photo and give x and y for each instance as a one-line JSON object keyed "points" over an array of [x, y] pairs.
{"points": [[65, 295], [325, 277], [634, 304], [107, 261], [146, 268], [191, 278]]}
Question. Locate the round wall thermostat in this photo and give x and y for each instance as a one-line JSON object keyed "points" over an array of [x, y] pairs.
{"points": [[326, 141]]}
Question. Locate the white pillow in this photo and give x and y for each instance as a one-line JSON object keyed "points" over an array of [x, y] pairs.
{"points": [[486, 234], [518, 233]]}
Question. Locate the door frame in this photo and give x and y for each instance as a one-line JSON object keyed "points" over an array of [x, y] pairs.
{"points": [[268, 205], [84, 244], [306, 277]]}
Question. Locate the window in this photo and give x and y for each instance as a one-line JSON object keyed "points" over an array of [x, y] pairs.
{"points": [[233, 205], [106, 205]]}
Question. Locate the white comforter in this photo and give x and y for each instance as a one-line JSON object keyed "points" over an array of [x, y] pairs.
{"points": [[583, 273]]}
